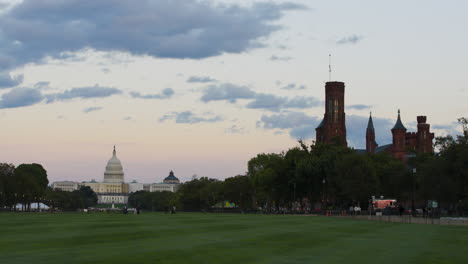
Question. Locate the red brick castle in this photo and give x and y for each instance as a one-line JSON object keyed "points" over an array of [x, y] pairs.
{"points": [[332, 129]]}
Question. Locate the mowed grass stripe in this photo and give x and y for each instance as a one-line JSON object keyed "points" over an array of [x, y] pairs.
{"points": [[223, 238]]}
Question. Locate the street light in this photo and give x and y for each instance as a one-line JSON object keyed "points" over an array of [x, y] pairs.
{"points": [[412, 192], [324, 195]]}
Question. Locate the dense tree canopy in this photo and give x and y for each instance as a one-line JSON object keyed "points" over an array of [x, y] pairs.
{"points": [[315, 175]]}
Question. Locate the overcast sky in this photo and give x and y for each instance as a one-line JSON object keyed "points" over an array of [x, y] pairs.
{"points": [[200, 87]]}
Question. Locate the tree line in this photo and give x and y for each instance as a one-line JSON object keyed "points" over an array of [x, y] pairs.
{"points": [[328, 176], [28, 183], [306, 177]]}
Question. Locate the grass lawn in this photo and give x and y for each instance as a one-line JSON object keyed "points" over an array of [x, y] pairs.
{"points": [[222, 238]]}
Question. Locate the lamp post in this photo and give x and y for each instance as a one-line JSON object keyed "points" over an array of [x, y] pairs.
{"points": [[324, 195], [412, 192]]}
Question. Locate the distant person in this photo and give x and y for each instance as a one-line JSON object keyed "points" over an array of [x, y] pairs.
{"points": [[401, 209], [138, 210], [357, 210]]}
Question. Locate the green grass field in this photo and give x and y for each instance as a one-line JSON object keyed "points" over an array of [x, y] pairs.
{"points": [[222, 238]]}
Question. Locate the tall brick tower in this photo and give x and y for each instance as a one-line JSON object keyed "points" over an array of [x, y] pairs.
{"points": [[424, 136], [333, 127], [371, 145], [399, 139]]}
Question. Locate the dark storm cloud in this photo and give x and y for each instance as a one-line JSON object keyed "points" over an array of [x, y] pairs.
{"points": [[226, 92], [353, 39], [83, 93], [92, 109], [20, 97], [299, 125], [358, 107], [165, 94], [188, 117], [200, 79], [6, 81], [35, 29]]}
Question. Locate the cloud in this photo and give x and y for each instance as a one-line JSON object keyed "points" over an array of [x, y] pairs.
{"points": [[452, 129], [83, 93], [35, 29], [356, 130], [285, 120], [92, 109], [293, 86], [42, 85], [165, 94], [267, 101], [353, 39], [299, 125], [277, 58], [20, 97], [226, 91], [231, 93], [234, 129], [6, 81], [188, 117], [359, 107], [275, 103], [200, 79]]}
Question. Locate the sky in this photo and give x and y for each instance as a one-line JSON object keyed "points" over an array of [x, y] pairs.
{"points": [[200, 87]]}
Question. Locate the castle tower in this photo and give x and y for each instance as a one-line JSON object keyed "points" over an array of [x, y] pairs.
{"points": [[424, 136], [333, 127], [371, 145], [399, 139]]}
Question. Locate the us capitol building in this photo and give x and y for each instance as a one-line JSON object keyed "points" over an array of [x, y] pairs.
{"points": [[114, 190]]}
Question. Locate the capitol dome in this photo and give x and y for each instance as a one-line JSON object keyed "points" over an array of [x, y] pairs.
{"points": [[114, 170]]}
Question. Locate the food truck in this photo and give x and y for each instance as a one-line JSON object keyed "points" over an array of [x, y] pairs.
{"points": [[379, 204]]}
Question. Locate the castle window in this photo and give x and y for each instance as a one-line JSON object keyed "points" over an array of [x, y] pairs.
{"points": [[335, 110]]}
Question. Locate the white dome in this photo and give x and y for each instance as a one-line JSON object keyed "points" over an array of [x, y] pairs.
{"points": [[114, 170]]}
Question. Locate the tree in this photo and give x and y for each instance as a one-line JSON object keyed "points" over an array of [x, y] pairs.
{"points": [[356, 179], [265, 172], [238, 190], [31, 180], [7, 185], [446, 175], [87, 197]]}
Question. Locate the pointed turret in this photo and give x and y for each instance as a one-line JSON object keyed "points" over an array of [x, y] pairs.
{"points": [[399, 139], [114, 152], [399, 125], [370, 123], [371, 145]]}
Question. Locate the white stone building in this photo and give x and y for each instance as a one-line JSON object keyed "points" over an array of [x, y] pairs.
{"points": [[114, 189], [68, 186]]}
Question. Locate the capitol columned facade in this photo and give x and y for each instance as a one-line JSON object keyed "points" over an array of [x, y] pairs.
{"points": [[113, 189]]}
